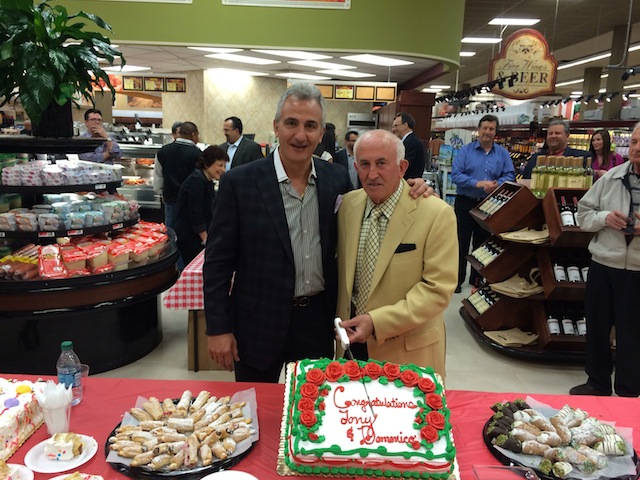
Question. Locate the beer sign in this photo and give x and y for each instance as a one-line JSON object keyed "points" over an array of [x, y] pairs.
{"points": [[525, 54]]}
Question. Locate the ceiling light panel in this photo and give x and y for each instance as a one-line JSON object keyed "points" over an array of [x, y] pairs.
{"points": [[297, 54], [377, 60], [440, 87], [346, 73], [514, 21], [582, 61], [216, 49], [480, 40], [302, 76], [230, 57], [233, 71], [126, 68], [321, 65], [467, 54]]}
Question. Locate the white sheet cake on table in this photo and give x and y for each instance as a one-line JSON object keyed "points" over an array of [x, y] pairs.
{"points": [[20, 415]]}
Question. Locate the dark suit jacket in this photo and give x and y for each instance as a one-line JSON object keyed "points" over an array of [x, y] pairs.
{"points": [[247, 151], [251, 238], [341, 158], [416, 155]]}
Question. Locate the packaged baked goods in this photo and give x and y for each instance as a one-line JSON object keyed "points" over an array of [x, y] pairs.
{"points": [[118, 254], [50, 222], [8, 222], [26, 222], [50, 262]]}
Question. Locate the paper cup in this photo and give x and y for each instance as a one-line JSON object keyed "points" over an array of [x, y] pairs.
{"points": [[57, 419]]}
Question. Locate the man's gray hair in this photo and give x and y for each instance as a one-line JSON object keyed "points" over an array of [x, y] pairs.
{"points": [[383, 136], [636, 126], [302, 91], [559, 121]]}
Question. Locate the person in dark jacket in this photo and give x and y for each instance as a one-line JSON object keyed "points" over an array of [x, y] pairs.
{"points": [[195, 202]]}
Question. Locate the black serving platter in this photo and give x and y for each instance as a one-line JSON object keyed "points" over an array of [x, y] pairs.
{"points": [[509, 461]]}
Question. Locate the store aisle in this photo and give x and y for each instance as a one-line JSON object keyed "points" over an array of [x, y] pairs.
{"points": [[470, 365]]}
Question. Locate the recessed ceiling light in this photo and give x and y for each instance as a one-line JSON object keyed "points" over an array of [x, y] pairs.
{"points": [[324, 65], [300, 55], [467, 54], [582, 61], [302, 76], [575, 95], [480, 40], [377, 60], [230, 57], [431, 90], [514, 21], [576, 92], [126, 68], [626, 87], [233, 71], [440, 87], [346, 73], [216, 49], [570, 82], [602, 90]]}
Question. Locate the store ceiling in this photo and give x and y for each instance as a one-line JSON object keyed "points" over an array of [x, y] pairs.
{"points": [[573, 29]]}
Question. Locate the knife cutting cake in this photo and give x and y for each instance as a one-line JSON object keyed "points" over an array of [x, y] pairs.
{"points": [[397, 426], [20, 415]]}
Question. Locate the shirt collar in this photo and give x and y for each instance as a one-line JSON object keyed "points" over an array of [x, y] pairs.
{"points": [[407, 134], [237, 142], [186, 141], [281, 174], [388, 206]]}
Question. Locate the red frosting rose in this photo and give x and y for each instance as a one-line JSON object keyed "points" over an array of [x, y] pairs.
{"points": [[434, 401], [409, 378], [308, 418], [312, 436], [426, 385], [373, 370], [429, 433], [436, 420], [417, 420], [391, 371], [415, 445], [306, 404], [321, 407], [334, 371], [315, 376], [309, 390], [352, 370], [324, 392]]}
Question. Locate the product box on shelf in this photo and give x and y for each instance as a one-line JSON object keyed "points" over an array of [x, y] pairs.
{"points": [[564, 235], [509, 207], [562, 272], [496, 260]]}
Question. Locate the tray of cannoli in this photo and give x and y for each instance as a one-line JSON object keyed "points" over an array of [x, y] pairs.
{"points": [[567, 443], [188, 438]]}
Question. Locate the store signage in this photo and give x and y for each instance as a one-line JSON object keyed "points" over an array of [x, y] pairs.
{"points": [[526, 54]]}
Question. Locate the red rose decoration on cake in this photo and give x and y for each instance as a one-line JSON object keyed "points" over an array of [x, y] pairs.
{"points": [[334, 371], [415, 445], [409, 378], [312, 436], [309, 390], [352, 370], [306, 404], [434, 401], [373, 370], [391, 371], [429, 433], [321, 407], [315, 376], [426, 385], [418, 420], [436, 420], [308, 418]]}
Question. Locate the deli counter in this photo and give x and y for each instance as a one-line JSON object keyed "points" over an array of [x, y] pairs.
{"points": [[137, 176]]}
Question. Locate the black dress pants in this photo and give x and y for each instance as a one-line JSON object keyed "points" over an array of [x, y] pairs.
{"points": [[468, 230], [610, 299]]}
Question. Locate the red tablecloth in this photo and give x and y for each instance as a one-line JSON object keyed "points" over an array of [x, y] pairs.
{"points": [[106, 399], [186, 293]]}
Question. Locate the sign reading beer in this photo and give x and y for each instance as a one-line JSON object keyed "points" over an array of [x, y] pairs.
{"points": [[526, 54]]}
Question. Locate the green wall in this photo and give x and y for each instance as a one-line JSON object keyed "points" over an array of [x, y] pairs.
{"points": [[426, 28]]}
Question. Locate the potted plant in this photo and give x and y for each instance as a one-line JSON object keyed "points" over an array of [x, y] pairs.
{"points": [[49, 59]]}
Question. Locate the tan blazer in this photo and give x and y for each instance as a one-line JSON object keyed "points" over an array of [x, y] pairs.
{"points": [[414, 278]]}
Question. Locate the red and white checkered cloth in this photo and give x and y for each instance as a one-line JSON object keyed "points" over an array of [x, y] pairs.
{"points": [[187, 292]]}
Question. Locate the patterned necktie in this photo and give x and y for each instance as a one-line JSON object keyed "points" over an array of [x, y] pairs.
{"points": [[368, 261]]}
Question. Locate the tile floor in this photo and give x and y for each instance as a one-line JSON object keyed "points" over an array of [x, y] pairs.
{"points": [[470, 365]]}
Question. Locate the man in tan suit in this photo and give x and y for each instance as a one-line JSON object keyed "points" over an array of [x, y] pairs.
{"points": [[397, 310]]}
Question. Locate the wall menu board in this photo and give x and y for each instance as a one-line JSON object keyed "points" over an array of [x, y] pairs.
{"points": [[154, 84], [359, 91], [176, 84], [345, 92], [132, 83]]}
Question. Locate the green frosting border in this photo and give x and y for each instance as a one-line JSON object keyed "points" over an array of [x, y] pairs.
{"points": [[300, 432]]}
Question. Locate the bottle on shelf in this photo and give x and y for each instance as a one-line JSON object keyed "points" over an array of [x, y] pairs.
{"points": [[567, 326], [588, 174], [573, 273], [552, 172], [574, 208], [535, 176], [562, 172], [566, 214], [581, 326], [70, 371], [559, 272], [554, 325], [500, 200]]}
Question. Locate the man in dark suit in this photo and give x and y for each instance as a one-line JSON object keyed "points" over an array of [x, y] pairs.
{"points": [[275, 228], [240, 149], [402, 127], [345, 157]]}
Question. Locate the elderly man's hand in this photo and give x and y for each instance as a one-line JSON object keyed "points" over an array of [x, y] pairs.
{"points": [[420, 187]]}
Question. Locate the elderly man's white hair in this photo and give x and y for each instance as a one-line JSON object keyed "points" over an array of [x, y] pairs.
{"points": [[384, 136]]}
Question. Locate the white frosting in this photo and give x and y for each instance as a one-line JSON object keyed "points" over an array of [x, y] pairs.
{"points": [[57, 448], [20, 415]]}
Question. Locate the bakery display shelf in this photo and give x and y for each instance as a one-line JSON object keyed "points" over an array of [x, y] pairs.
{"points": [[28, 144], [561, 236], [529, 353], [52, 235], [88, 187]]}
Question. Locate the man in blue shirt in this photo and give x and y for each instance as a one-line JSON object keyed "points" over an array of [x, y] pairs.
{"points": [[478, 169]]}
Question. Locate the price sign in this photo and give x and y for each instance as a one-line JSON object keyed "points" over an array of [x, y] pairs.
{"points": [[116, 226], [100, 186], [46, 234], [2, 235], [73, 233]]}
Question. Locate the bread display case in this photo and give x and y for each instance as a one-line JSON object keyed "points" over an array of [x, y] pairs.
{"points": [[111, 314]]}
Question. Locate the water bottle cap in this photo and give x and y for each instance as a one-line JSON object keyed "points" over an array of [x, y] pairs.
{"points": [[66, 345]]}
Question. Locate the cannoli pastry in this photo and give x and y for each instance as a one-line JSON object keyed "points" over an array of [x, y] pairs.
{"points": [[550, 438], [168, 407], [153, 408], [507, 442], [562, 429], [599, 458], [200, 401], [181, 424], [522, 434], [494, 431], [611, 445], [142, 459], [185, 401], [555, 454], [533, 447], [579, 460], [561, 469]]}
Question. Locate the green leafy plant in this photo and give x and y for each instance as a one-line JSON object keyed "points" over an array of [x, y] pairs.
{"points": [[47, 55]]}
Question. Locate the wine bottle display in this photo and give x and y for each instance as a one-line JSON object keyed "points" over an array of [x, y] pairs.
{"points": [[566, 214]]}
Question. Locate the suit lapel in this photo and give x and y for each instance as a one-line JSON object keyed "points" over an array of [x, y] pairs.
{"points": [[354, 211], [270, 190]]}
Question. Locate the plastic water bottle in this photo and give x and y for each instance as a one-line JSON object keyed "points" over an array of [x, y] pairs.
{"points": [[69, 371]]}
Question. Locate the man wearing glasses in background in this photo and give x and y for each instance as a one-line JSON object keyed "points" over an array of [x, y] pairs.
{"points": [[106, 152]]}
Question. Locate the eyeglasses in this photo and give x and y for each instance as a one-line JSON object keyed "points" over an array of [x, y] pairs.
{"points": [[94, 119]]}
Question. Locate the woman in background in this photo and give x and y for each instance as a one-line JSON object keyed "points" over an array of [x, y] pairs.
{"points": [[327, 147], [603, 158], [195, 202]]}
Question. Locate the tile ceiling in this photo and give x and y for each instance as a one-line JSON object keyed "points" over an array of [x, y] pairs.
{"points": [[573, 29]]}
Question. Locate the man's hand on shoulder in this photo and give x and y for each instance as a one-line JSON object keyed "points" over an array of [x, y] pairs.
{"points": [[420, 188], [223, 349]]}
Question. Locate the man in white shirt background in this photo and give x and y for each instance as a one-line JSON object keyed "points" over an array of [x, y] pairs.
{"points": [[240, 149]]}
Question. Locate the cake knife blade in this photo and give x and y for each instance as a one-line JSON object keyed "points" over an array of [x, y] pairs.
{"points": [[346, 344]]}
